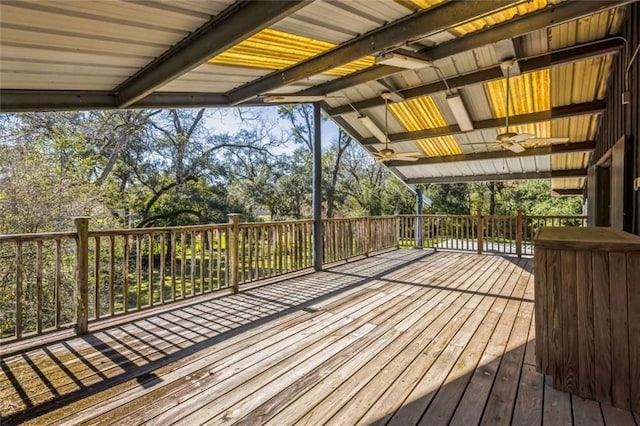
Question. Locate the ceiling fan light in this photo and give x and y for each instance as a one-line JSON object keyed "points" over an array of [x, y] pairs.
{"points": [[401, 61], [460, 112], [371, 127]]}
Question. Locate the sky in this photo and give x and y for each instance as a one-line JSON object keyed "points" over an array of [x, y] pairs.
{"points": [[228, 120]]}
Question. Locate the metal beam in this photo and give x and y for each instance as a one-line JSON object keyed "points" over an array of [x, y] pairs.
{"points": [[419, 237], [554, 174], [317, 189], [536, 117], [567, 192], [54, 100], [569, 148], [547, 17], [477, 77], [240, 21], [580, 52], [68, 100], [344, 124], [419, 24], [516, 27], [355, 78]]}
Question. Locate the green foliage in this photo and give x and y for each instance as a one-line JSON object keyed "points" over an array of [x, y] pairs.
{"points": [[532, 197], [449, 198]]}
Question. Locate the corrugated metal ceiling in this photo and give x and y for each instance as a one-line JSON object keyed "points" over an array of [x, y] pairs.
{"points": [[273, 50], [63, 45], [96, 45]]}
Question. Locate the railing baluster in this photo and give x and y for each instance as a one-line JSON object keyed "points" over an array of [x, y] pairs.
{"points": [[58, 284], [96, 277], [192, 264], [183, 264], [112, 275], [125, 275], [202, 235], [39, 267], [219, 259], [163, 250], [241, 251], [252, 252], [174, 265], [285, 230], [138, 271], [209, 234], [150, 268], [18, 332]]}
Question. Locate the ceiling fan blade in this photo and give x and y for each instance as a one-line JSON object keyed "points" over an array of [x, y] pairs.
{"points": [[490, 143], [547, 140], [520, 137], [405, 158], [408, 154], [514, 147]]}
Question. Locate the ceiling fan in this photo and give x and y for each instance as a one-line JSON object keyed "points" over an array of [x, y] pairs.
{"points": [[387, 153], [510, 140]]}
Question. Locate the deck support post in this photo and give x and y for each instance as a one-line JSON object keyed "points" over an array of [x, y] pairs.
{"points": [[396, 214], [234, 220], [480, 226], [82, 275], [317, 189], [419, 219], [367, 234], [519, 234]]}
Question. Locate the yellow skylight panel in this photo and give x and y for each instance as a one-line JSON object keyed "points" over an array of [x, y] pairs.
{"points": [[499, 17], [274, 50], [443, 145], [425, 4], [529, 93], [420, 114]]}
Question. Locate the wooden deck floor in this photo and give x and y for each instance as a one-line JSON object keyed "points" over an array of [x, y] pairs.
{"points": [[406, 337]]}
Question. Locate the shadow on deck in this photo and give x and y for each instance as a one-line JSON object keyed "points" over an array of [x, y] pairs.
{"points": [[404, 337]]}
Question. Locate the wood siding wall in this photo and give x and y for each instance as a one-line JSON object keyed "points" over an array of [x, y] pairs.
{"points": [[619, 119]]}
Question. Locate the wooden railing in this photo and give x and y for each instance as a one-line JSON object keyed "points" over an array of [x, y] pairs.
{"points": [[58, 280], [275, 248], [37, 273], [479, 233], [51, 281], [349, 237]]}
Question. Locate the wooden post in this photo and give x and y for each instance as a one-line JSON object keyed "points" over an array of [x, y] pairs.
{"points": [[82, 277], [519, 234], [480, 222], [234, 219], [367, 236], [397, 222]]}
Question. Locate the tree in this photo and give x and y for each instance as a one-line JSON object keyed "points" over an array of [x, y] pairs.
{"points": [[453, 198], [335, 156], [371, 188]]}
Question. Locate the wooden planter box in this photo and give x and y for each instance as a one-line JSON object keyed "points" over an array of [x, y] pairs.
{"points": [[587, 306]]}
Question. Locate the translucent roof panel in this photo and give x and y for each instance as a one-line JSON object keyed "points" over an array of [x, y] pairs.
{"points": [[274, 50]]}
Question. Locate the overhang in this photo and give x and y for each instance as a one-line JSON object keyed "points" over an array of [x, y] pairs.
{"points": [[103, 55]]}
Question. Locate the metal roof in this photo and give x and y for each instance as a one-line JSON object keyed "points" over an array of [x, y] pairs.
{"points": [[86, 54]]}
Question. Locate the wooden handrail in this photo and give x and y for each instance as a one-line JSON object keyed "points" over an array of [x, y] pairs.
{"points": [[6, 238]]}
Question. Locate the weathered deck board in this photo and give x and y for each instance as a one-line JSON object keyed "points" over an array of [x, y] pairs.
{"points": [[405, 337]]}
